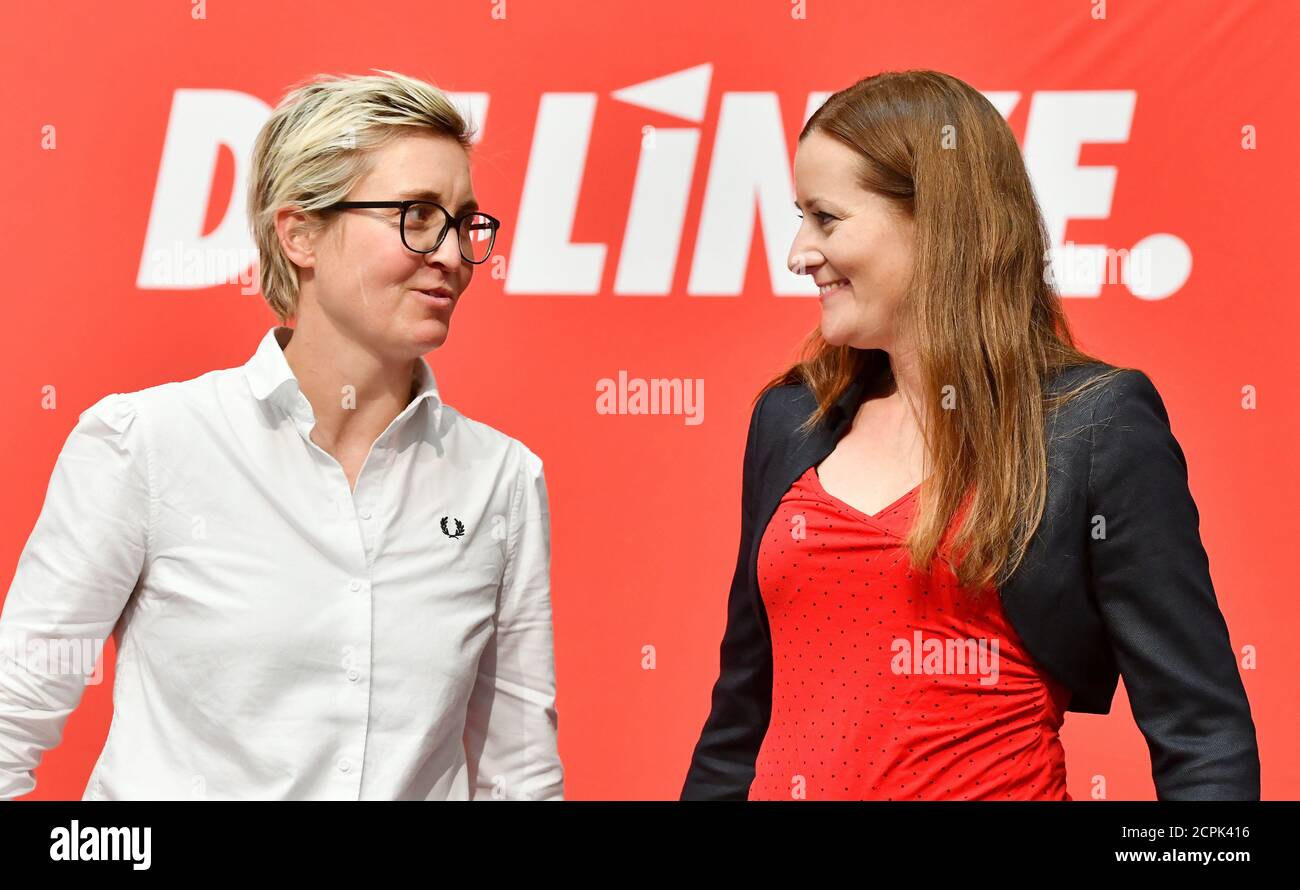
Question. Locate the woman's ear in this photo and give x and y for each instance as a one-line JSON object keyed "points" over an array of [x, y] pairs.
{"points": [[295, 231]]}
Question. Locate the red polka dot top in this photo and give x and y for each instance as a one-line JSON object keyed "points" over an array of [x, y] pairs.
{"points": [[889, 684]]}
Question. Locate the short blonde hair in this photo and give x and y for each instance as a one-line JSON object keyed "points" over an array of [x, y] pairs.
{"points": [[316, 147]]}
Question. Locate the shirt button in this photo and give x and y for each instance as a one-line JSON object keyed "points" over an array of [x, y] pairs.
{"points": [[365, 514], [356, 585], [345, 765], [352, 675]]}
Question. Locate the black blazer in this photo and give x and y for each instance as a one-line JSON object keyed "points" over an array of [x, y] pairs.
{"points": [[1139, 602]]}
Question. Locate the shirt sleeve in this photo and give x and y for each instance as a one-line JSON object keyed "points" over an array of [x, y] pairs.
{"points": [[74, 577], [511, 726], [1152, 584]]}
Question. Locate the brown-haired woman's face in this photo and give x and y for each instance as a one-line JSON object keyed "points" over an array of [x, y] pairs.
{"points": [[852, 239]]}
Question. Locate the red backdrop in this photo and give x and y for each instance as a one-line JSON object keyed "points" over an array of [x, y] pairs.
{"points": [[1163, 119]]}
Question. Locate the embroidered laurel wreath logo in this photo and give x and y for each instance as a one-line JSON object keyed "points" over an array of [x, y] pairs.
{"points": [[460, 527]]}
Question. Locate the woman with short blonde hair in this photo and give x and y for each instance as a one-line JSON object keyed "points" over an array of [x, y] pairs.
{"points": [[324, 581]]}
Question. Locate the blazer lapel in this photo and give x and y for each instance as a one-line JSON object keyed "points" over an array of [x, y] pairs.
{"points": [[807, 451]]}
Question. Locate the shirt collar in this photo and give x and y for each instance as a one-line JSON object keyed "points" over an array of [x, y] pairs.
{"points": [[271, 379]]}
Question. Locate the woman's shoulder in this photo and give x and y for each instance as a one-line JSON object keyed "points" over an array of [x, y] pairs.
{"points": [[1097, 389], [162, 407], [786, 398], [486, 441], [1121, 416], [1089, 375], [780, 410], [1131, 406], [1110, 390]]}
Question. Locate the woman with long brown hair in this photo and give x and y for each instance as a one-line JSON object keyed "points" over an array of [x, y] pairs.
{"points": [[956, 525]]}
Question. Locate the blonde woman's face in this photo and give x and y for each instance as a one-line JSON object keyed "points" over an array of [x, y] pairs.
{"points": [[366, 280], [851, 237]]}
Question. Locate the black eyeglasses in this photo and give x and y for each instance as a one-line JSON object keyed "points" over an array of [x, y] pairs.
{"points": [[424, 224]]}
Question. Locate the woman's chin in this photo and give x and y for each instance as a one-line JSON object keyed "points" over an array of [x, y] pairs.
{"points": [[832, 333], [430, 333]]}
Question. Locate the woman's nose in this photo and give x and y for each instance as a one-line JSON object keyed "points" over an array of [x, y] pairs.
{"points": [[802, 262], [448, 252]]}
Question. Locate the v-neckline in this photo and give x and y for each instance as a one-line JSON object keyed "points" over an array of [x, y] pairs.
{"points": [[872, 517]]}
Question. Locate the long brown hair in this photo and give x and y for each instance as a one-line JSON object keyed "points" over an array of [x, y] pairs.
{"points": [[988, 326]]}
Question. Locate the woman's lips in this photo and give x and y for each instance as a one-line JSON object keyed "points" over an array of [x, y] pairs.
{"points": [[835, 290], [436, 300]]}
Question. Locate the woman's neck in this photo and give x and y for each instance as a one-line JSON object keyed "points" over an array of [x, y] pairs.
{"points": [[353, 393]]}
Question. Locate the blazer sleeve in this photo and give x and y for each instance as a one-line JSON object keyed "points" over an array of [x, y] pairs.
{"points": [[1151, 580], [722, 766]]}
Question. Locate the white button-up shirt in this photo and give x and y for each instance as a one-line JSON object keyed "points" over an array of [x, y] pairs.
{"points": [[279, 635]]}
